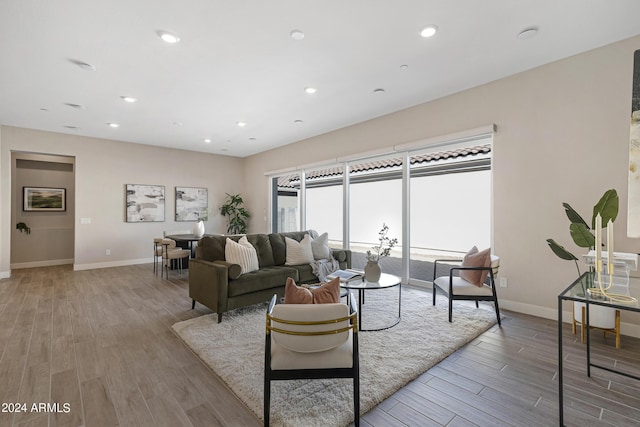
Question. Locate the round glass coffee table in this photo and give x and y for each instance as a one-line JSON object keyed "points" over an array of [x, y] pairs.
{"points": [[386, 281]]}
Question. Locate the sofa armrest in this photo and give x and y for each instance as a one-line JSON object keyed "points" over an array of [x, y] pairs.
{"points": [[209, 283], [343, 256]]}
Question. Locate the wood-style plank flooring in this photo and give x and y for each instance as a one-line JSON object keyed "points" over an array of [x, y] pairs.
{"points": [[99, 344]]}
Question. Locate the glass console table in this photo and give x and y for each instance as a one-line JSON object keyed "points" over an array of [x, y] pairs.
{"points": [[578, 291]]}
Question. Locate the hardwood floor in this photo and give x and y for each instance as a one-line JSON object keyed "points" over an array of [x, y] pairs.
{"points": [[99, 344]]}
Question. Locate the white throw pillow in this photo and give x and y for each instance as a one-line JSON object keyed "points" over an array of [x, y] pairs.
{"points": [[299, 252], [320, 247], [239, 253]]}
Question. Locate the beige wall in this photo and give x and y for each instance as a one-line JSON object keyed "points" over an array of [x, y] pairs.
{"points": [[103, 167], [562, 136]]}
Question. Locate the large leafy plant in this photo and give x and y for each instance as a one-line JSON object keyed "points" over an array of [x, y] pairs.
{"points": [[236, 215], [580, 231]]}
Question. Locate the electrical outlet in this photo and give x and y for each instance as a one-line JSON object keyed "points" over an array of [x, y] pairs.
{"points": [[107, 252], [503, 282]]}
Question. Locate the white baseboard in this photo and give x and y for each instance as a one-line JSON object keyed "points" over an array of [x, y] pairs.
{"points": [[628, 329], [46, 263], [119, 263], [5, 274]]}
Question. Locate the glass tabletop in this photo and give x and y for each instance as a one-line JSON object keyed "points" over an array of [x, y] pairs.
{"points": [[612, 294], [386, 281]]}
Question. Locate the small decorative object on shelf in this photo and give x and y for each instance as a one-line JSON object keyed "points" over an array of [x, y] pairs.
{"points": [[372, 270]]}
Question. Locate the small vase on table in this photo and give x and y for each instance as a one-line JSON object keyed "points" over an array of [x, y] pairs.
{"points": [[198, 228], [372, 271]]}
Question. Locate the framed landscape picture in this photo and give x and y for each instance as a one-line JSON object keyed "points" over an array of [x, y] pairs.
{"points": [[44, 199], [191, 204], [145, 203]]}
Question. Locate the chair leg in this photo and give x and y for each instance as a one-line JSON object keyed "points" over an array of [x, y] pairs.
{"points": [[356, 402], [267, 401], [498, 312], [433, 292], [450, 308], [193, 305], [477, 306], [617, 329]]}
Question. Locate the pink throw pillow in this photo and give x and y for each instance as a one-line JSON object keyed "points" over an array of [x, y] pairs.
{"points": [[326, 293], [475, 258], [294, 294]]}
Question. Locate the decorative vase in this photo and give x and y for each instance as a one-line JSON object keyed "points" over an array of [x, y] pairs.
{"points": [[372, 271], [198, 228]]}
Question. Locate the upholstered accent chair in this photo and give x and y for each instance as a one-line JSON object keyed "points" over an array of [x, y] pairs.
{"points": [[455, 287], [311, 341], [172, 252]]}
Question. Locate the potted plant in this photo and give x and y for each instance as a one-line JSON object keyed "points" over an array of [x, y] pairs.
{"points": [[236, 215], [607, 207], [372, 270]]}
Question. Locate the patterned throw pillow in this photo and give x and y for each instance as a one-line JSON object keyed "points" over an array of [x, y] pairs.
{"points": [[299, 252], [242, 253]]}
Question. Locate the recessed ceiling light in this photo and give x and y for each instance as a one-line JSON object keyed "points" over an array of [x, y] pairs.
{"points": [[44, 109], [207, 140], [241, 124], [113, 125], [296, 34], [297, 121], [404, 67], [177, 123], [527, 33], [252, 139], [168, 37], [71, 127], [83, 65], [379, 90], [429, 31], [224, 149], [310, 89], [130, 99]]}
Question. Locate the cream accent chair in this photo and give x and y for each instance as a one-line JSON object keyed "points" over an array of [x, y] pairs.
{"points": [[311, 341], [170, 253], [456, 288]]}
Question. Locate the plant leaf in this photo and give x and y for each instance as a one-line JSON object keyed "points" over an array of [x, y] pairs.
{"points": [[607, 207], [581, 235], [573, 216], [560, 251]]}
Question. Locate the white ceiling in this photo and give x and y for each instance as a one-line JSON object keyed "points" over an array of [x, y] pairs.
{"points": [[236, 62]]}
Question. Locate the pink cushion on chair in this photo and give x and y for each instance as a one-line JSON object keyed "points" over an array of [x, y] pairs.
{"points": [[475, 258], [325, 293]]}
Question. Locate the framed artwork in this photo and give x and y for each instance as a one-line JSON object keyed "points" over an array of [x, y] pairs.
{"points": [[44, 199], [145, 203], [633, 214], [192, 204]]}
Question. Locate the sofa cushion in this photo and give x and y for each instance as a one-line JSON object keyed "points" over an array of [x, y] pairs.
{"points": [[264, 278], [211, 248], [263, 247], [298, 252]]}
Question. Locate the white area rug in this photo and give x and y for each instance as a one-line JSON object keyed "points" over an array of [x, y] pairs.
{"points": [[234, 349]]}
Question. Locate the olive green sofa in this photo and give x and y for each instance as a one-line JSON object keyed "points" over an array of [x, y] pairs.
{"points": [[213, 282]]}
